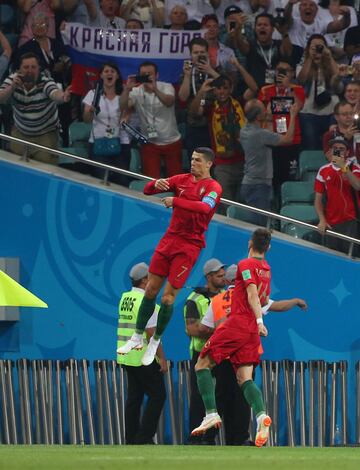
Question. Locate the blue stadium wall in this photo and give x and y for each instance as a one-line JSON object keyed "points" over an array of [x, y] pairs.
{"points": [[76, 244]]}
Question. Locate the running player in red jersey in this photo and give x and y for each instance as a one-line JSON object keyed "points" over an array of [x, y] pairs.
{"points": [[196, 198], [238, 339]]}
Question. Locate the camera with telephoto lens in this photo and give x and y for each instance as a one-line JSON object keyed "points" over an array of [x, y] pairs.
{"points": [[279, 19], [98, 91], [319, 48]]}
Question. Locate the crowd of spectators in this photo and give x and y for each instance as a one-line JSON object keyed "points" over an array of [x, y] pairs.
{"points": [[276, 51]]}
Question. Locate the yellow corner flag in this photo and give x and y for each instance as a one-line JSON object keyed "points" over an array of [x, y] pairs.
{"points": [[13, 294]]}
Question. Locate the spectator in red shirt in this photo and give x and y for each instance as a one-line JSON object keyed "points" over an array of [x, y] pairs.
{"points": [[346, 126], [285, 159], [339, 182]]}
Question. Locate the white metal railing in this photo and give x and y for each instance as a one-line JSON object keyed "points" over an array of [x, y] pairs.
{"points": [[270, 215]]}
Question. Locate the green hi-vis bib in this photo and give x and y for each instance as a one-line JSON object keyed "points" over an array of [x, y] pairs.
{"points": [[202, 304], [128, 311]]}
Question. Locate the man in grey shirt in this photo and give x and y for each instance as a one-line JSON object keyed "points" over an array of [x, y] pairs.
{"points": [[256, 187]]}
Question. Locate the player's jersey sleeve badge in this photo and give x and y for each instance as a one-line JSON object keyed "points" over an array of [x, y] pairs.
{"points": [[246, 275]]}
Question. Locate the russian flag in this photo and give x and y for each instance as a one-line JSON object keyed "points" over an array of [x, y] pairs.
{"points": [[89, 48]]}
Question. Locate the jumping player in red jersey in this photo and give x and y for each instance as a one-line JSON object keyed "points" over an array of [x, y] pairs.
{"points": [[196, 198], [238, 339]]}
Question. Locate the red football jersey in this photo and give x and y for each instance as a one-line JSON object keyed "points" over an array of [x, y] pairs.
{"points": [[250, 271], [339, 202], [186, 223], [270, 91]]}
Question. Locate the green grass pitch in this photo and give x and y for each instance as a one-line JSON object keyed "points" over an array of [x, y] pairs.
{"points": [[177, 457]]}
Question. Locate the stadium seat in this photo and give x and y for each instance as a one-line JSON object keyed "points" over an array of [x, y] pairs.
{"points": [[78, 151], [295, 192], [79, 133], [302, 212], [309, 163], [135, 161], [137, 185], [182, 130], [235, 212]]}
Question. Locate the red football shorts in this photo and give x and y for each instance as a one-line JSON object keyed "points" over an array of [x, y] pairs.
{"points": [[237, 345], [174, 258]]}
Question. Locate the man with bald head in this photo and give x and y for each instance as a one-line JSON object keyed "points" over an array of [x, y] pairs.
{"points": [[256, 187]]}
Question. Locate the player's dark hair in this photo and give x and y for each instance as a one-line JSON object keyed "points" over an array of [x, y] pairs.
{"points": [[197, 41], [261, 239], [207, 153]]}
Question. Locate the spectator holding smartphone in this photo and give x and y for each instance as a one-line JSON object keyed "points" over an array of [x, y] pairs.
{"points": [[347, 126], [319, 75], [339, 182], [154, 102], [285, 158], [352, 95], [226, 117], [195, 72]]}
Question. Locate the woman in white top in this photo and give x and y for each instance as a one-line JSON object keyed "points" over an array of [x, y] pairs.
{"points": [[106, 123], [319, 75]]}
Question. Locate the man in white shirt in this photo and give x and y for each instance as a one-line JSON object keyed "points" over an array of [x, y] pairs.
{"points": [[311, 22], [106, 16], [196, 9], [154, 103]]}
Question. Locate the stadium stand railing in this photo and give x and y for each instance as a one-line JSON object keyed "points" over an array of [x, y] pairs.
{"points": [[271, 216]]}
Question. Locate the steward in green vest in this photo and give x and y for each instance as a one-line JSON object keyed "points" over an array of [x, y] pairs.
{"points": [[141, 380], [195, 308], [128, 311], [199, 300]]}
